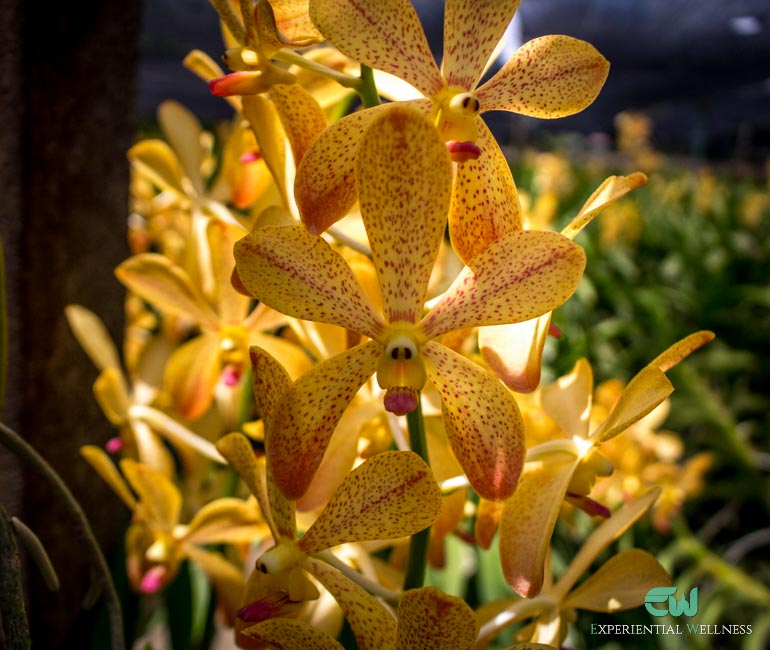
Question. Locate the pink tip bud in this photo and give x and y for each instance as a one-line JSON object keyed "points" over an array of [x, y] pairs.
{"points": [[461, 152], [231, 375], [244, 82], [401, 400], [554, 330], [114, 445], [250, 157], [153, 580]]}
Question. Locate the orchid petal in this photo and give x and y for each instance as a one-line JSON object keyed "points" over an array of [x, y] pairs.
{"points": [[156, 161], [472, 29], [232, 306], [277, 510], [404, 179], [548, 77], [514, 352], [101, 462], [428, 618], [300, 114], [290, 355], [111, 394], [226, 521], [292, 19], [325, 187], [568, 400], [482, 420], [166, 286], [150, 449], [90, 332], [191, 375], [619, 584], [383, 34], [521, 276], [488, 515], [612, 528], [681, 349], [485, 203], [270, 381], [288, 634], [642, 394], [305, 418], [611, 190], [390, 495], [300, 275], [159, 498], [373, 626], [183, 131], [529, 518]]}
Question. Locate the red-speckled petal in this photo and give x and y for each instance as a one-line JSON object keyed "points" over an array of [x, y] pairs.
{"points": [[521, 276], [391, 495], [325, 187], [300, 275], [429, 618], [270, 381], [485, 203], [305, 417], [482, 420], [373, 625], [383, 34], [548, 77], [288, 634], [301, 116], [472, 30], [529, 518], [681, 349], [404, 181]]}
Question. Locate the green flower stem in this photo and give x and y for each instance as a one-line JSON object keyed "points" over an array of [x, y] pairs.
{"points": [[367, 89], [18, 446], [418, 545], [12, 613]]}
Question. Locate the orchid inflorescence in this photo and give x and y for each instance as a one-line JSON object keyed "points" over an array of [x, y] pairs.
{"points": [[330, 273]]}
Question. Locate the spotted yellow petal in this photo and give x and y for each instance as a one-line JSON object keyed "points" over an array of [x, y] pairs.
{"points": [[101, 462], [305, 418], [482, 420], [485, 203], [611, 190], [612, 528], [428, 618], [373, 626], [93, 336], [404, 176], [183, 131], [226, 520], [529, 518], [192, 374], [300, 114], [157, 162], [270, 381], [472, 29], [159, 498], [325, 187], [289, 634], [383, 34], [292, 19], [300, 275], [515, 352], [568, 400], [290, 355], [167, 287], [548, 77], [390, 495], [642, 394], [620, 583], [487, 519], [271, 138], [520, 276], [277, 510], [681, 349]]}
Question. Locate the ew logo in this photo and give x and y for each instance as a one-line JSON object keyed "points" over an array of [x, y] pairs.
{"points": [[675, 608]]}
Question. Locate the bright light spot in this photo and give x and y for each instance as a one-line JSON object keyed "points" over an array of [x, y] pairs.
{"points": [[745, 25]]}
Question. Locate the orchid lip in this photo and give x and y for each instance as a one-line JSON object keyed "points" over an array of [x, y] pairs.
{"points": [[463, 151]]}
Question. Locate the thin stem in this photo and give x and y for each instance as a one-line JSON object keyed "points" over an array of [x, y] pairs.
{"points": [[367, 89], [287, 56], [12, 614], [418, 544], [18, 446], [374, 588]]}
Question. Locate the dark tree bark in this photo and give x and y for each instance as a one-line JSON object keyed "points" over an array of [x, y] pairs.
{"points": [[68, 87]]}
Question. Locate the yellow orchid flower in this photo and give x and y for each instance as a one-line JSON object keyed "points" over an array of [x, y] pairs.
{"points": [[220, 352], [156, 541], [549, 77], [557, 468], [404, 178], [620, 583]]}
